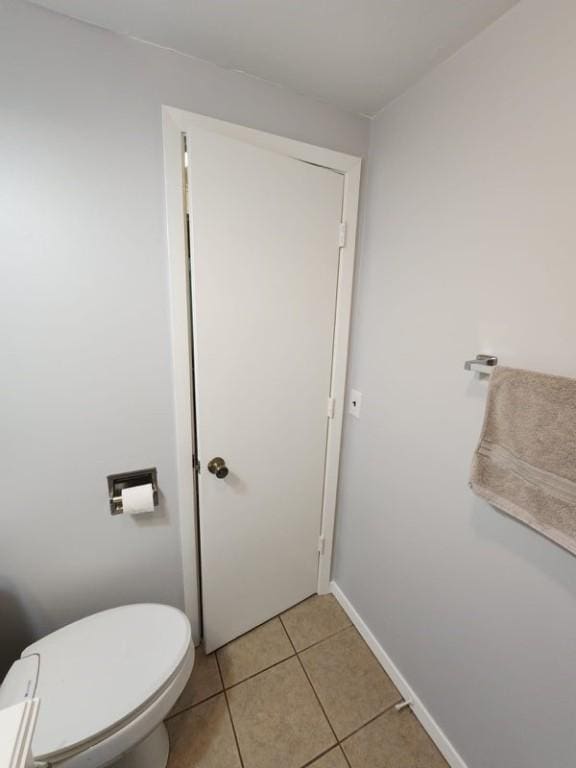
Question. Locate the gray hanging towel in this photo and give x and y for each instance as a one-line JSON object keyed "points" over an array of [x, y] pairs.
{"points": [[525, 462]]}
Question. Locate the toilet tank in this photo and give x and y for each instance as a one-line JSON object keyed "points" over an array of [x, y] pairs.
{"points": [[20, 682]]}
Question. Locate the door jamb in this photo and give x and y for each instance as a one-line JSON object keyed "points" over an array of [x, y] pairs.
{"points": [[177, 122]]}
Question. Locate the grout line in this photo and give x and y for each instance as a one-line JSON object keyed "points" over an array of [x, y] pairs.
{"points": [[338, 740], [288, 635], [224, 691], [255, 674], [295, 651], [328, 637], [220, 675], [206, 698], [268, 621], [311, 686], [230, 714], [341, 748], [300, 602], [346, 760], [323, 754], [193, 706], [355, 731]]}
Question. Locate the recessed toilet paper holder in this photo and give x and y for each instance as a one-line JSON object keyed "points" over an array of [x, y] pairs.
{"points": [[117, 483]]}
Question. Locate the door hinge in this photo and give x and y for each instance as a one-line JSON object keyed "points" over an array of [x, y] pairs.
{"points": [[342, 235], [331, 407], [321, 544]]}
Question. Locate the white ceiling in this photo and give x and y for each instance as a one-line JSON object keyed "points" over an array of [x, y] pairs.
{"points": [[355, 54]]}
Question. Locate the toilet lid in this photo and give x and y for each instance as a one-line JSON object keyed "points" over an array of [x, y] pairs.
{"points": [[98, 671]]}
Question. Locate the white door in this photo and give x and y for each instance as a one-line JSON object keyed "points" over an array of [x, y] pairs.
{"points": [[264, 253]]}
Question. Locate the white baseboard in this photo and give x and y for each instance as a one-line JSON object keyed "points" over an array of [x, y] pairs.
{"points": [[429, 724]]}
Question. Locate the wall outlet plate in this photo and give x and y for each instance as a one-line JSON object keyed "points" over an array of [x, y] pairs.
{"points": [[354, 403]]}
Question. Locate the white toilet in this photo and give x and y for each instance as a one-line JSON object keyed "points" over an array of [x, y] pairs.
{"points": [[105, 685]]}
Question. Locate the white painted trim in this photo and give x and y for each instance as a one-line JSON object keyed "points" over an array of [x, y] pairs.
{"points": [[177, 122], [329, 158], [181, 368], [339, 368], [429, 724]]}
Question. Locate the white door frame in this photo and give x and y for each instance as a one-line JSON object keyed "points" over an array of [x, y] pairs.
{"points": [[177, 122]]}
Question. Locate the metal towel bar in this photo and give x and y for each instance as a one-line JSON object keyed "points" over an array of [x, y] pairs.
{"points": [[481, 364]]}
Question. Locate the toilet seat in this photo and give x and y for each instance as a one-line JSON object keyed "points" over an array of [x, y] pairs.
{"points": [[105, 681]]}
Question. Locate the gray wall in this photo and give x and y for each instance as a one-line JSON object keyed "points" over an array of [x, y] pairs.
{"points": [[470, 247], [86, 368]]}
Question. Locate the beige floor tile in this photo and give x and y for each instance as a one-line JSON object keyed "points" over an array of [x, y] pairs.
{"points": [[277, 718], [332, 759], [350, 683], [313, 620], [261, 648], [202, 737], [203, 682], [393, 740]]}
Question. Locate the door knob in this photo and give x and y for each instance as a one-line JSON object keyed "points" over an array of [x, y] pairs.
{"points": [[217, 466]]}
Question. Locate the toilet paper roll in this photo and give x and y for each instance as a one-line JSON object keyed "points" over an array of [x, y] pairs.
{"points": [[138, 500]]}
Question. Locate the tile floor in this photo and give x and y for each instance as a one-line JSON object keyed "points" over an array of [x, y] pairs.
{"points": [[301, 690]]}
